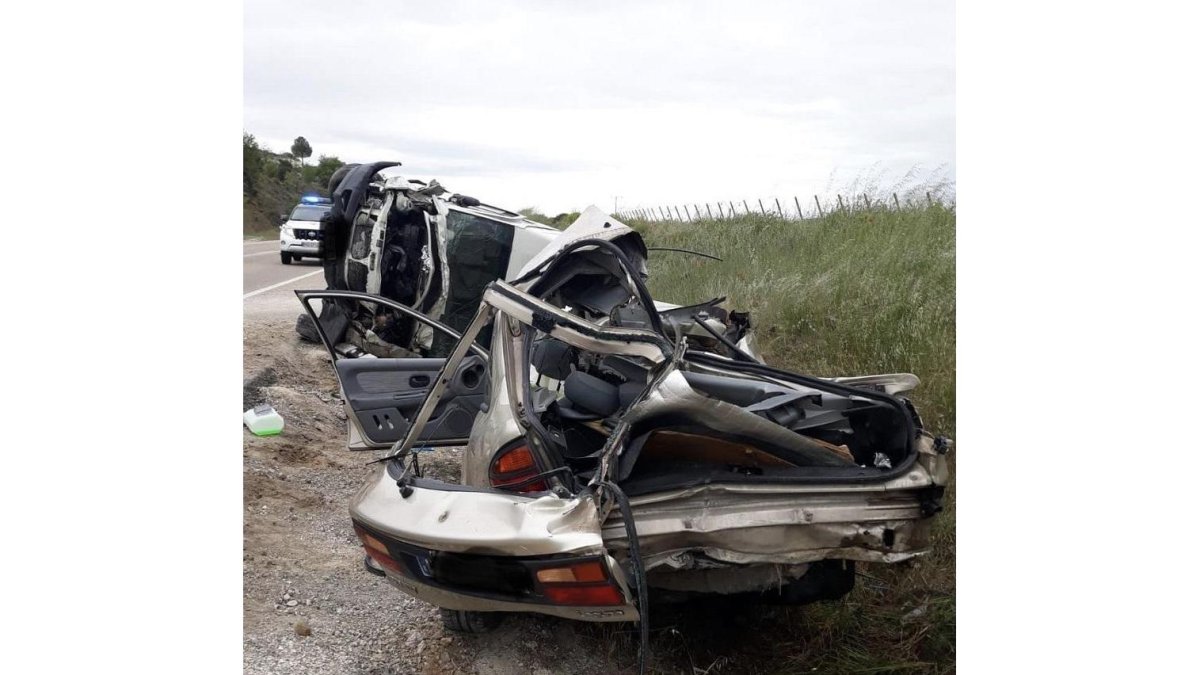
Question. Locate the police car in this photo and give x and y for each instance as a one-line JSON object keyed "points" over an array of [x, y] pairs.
{"points": [[300, 234]]}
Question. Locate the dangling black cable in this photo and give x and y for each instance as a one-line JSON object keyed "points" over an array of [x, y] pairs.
{"points": [[639, 572]]}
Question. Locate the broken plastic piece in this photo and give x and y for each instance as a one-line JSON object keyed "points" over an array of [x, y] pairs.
{"points": [[262, 420], [882, 461]]}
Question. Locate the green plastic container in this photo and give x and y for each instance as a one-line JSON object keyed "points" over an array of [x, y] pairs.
{"points": [[262, 420]]}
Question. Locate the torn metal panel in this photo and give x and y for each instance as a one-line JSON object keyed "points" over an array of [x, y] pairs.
{"points": [[591, 224], [674, 396], [440, 517], [573, 330]]}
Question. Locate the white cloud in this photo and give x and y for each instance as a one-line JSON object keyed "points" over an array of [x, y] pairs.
{"points": [[560, 105]]}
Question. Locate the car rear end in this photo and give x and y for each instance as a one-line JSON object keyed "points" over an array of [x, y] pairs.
{"points": [[483, 550]]}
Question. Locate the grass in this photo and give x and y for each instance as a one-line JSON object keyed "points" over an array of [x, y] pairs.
{"points": [[870, 291]]}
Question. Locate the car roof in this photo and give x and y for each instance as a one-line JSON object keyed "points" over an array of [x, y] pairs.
{"points": [[497, 213]]}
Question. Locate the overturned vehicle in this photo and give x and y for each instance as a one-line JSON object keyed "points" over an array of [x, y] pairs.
{"points": [[617, 446]]}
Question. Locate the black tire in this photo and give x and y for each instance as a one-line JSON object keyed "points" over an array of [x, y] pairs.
{"points": [[285, 258], [463, 621], [297, 258]]}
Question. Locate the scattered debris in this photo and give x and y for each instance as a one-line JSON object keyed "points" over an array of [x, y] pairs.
{"points": [[262, 420]]}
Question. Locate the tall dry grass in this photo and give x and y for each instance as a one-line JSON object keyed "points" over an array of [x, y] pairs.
{"points": [[868, 291]]}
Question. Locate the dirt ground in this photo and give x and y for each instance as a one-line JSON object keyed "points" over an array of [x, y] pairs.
{"points": [[308, 604]]}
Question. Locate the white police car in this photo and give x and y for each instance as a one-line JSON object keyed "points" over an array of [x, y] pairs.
{"points": [[300, 234]]}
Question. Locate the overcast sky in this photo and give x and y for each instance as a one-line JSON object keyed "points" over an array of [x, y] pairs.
{"points": [[561, 105]]}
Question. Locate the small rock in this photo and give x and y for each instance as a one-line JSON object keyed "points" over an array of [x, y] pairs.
{"points": [[302, 629], [287, 596], [292, 603]]}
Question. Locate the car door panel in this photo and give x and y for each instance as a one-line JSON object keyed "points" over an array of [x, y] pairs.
{"points": [[383, 395]]}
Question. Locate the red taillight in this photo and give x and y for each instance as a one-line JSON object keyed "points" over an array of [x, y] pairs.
{"points": [[584, 595], [585, 583], [581, 573], [517, 460], [513, 467], [377, 550]]}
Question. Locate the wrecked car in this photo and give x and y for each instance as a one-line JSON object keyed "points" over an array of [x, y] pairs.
{"points": [[617, 446], [419, 244]]}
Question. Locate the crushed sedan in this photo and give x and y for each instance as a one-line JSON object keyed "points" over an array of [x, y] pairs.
{"points": [[617, 446]]}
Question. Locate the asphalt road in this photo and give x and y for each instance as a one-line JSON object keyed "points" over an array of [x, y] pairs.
{"points": [[267, 283]]}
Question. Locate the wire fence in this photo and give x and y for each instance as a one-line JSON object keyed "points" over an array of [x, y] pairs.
{"points": [[790, 209]]}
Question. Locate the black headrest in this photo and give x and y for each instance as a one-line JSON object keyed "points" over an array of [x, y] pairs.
{"points": [[591, 393], [553, 358]]}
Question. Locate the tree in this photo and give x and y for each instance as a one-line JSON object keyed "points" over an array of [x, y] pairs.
{"points": [[252, 163], [324, 168], [301, 149]]}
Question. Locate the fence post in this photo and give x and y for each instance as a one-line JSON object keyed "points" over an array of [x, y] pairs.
{"points": [[778, 207], [928, 198], [677, 212], [721, 209], [897, 200], [709, 209], [820, 211], [696, 208], [760, 207], [841, 206], [799, 213], [747, 205], [732, 211], [661, 215], [866, 200]]}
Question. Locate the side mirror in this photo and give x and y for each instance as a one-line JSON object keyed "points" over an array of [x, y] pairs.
{"points": [[283, 218]]}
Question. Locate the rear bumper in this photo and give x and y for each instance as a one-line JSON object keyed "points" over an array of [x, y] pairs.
{"points": [[442, 597], [481, 550]]}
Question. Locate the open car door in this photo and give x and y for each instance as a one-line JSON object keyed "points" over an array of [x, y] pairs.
{"points": [[383, 394]]}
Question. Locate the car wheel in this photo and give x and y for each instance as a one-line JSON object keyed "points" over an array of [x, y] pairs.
{"points": [[463, 621], [285, 258], [297, 258]]}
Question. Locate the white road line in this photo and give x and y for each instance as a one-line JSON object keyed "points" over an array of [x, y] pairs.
{"points": [[251, 255], [282, 283], [264, 241]]}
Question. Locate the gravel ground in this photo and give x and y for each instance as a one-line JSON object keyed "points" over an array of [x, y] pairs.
{"points": [[308, 604]]}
